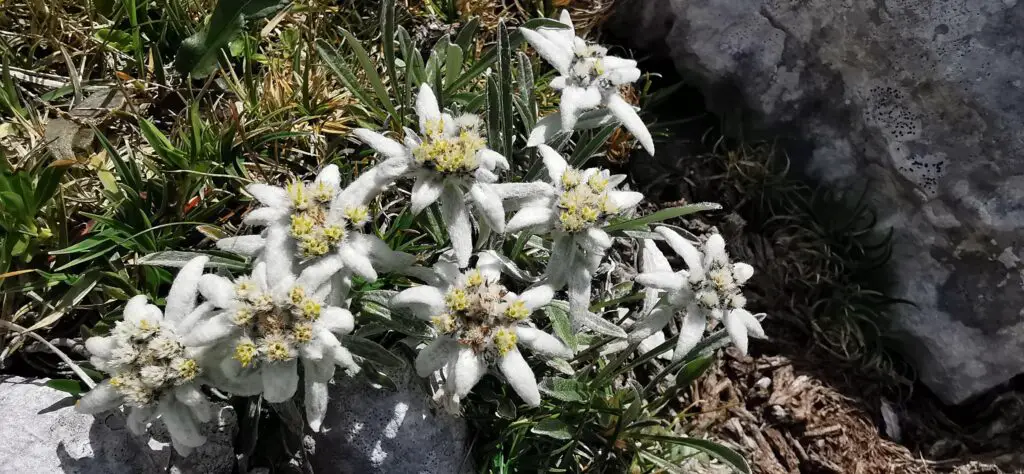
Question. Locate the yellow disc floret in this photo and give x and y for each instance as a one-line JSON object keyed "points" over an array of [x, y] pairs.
{"points": [[481, 314], [245, 352], [505, 340], [450, 152], [583, 203]]}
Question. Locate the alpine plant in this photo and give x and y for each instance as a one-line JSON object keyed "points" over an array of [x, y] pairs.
{"points": [[709, 288], [154, 373], [588, 77], [319, 223], [264, 325], [449, 161], [572, 208], [477, 322]]}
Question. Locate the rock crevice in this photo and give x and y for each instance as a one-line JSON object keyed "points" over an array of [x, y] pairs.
{"points": [[924, 99]]}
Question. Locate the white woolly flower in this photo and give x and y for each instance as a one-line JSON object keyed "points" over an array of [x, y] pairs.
{"points": [[264, 325], [477, 323], [449, 160], [153, 372], [588, 78], [711, 287], [321, 224], [573, 207]]}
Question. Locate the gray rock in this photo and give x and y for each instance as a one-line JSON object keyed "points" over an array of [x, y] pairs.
{"points": [[43, 434], [924, 98], [370, 429]]}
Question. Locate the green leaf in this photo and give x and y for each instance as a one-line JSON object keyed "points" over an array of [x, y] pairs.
{"points": [[370, 70], [465, 37], [505, 89], [47, 185], [722, 453], [163, 147], [584, 151], [387, 41], [527, 102], [452, 63], [553, 428], [561, 325], [372, 351], [198, 53], [337, 64], [178, 259], [664, 215], [693, 370], [414, 72], [566, 390], [73, 387]]}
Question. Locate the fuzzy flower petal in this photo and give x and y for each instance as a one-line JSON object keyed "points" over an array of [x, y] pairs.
{"points": [[104, 397], [423, 301], [435, 355], [543, 343], [466, 370], [629, 118], [280, 379], [246, 245], [456, 217], [520, 377]]}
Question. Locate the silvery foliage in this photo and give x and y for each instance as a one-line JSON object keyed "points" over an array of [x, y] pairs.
{"points": [[249, 335], [477, 323], [155, 374], [588, 78], [709, 288]]}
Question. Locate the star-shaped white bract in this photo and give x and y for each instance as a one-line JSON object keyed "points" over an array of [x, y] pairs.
{"points": [[477, 323], [573, 207], [449, 160], [588, 78], [319, 223], [264, 324], [153, 372], [711, 287]]}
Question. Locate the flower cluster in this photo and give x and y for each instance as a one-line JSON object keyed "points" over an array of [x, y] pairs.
{"points": [[154, 373], [249, 334], [479, 322], [449, 162], [588, 78], [573, 207], [710, 288]]}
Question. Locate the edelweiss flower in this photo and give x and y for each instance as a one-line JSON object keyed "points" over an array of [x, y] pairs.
{"points": [[710, 288], [319, 222], [450, 160], [265, 324], [154, 373], [479, 322], [588, 78], [573, 208]]}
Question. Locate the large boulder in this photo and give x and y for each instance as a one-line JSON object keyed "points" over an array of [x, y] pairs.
{"points": [[924, 98], [41, 433], [370, 429]]}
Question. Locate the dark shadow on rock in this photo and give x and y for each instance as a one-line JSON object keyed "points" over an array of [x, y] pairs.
{"points": [[115, 450], [66, 402]]}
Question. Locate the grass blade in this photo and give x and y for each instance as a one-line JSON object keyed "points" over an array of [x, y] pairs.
{"points": [[505, 89], [342, 70], [370, 69]]}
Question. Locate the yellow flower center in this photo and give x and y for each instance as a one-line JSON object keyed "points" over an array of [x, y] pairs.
{"points": [[447, 153], [582, 205], [188, 369], [479, 315], [505, 340], [310, 226], [245, 352]]}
